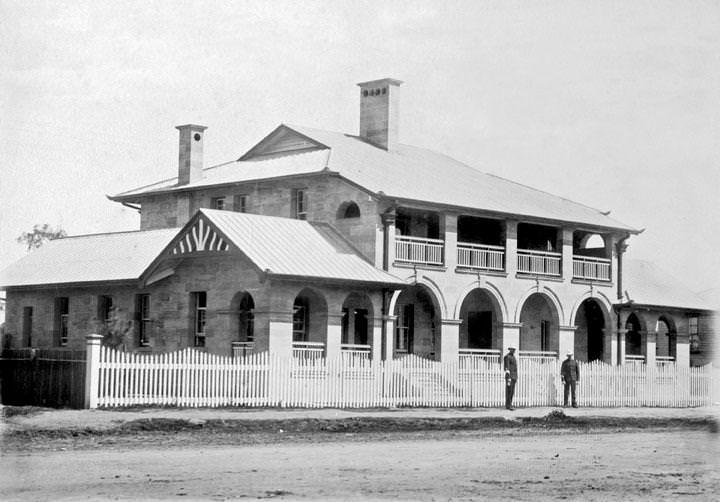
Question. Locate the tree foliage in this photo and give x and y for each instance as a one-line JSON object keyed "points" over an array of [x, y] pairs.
{"points": [[117, 332], [40, 235]]}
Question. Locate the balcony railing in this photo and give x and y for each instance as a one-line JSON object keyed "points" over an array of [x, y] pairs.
{"points": [[634, 359], [416, 250], [664, 360], [539, 262], [471, 357], [480, 256], [242, 349], [537, 354], [585, 267], [353, 352], [308, 350]]}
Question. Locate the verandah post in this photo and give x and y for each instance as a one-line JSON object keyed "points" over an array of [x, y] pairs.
{"points": [[92, 370]]}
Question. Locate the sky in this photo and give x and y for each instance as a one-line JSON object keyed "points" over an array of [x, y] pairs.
{"points": [[613, 104]]}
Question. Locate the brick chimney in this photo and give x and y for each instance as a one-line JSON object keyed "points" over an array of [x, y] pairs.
{"points": [[190, 162], [379, 114]]}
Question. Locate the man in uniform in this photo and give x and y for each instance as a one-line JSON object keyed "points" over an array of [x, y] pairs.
{"points": [[570, 374], [511, 375]]}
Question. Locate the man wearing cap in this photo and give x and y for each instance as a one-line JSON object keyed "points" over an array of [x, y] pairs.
{"points": [[511, 375], [570, 374]]}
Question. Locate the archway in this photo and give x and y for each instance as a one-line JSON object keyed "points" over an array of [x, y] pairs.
{"points": [[418, 319], [633, 337], [540, 325], [665, 340], [348, 209], [590, 331], [481, 321], [310, 317], [357, 313], [243, 319]]}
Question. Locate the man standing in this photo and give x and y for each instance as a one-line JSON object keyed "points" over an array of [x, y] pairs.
{"points": [[570, 374], [511, 375]]}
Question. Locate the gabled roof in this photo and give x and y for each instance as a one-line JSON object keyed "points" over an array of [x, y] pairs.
{"points": [[407, 173], [295, 248], [279, 247], [648, 284], [88, 258]]}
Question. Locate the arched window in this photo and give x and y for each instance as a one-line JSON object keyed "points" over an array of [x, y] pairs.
{"points": [[348, 209], [246, 319]]}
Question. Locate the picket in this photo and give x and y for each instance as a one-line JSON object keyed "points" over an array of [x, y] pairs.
{"points": [[192, 378]]}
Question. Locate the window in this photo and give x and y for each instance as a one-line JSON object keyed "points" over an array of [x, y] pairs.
{"points": [[694, 334], [144, 323], [200, 302], [246, 319], [404, 329], [62, 314], [299, 204], [27, 326], [544, 336], [241, 203], [348, 210], [300, 320], [105, 309], [218, 203]]}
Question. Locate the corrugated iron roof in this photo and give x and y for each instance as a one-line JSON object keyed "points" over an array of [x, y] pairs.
{"points": [[648, 284], [88, 258], [407, 173], [288, 247]]}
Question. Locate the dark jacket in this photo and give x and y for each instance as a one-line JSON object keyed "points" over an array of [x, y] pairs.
{"points": [[570, 370], [510, 365]]}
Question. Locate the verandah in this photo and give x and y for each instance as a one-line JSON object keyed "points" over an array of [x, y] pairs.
{"points": [[192, 378]]}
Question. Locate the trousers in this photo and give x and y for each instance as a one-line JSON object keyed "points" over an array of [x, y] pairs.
{"points": [[570, 387], [509, 391]]}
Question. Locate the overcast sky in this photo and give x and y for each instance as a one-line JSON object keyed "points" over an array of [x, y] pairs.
{"points": [[614, 104]]}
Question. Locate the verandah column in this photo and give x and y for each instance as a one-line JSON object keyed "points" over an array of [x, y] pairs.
{"points": [[650, 345], [511, 247], [273, 332], [92, 370], [566, 342], [376, 346], [621, 345], [567, 253], [389, 341], [334, 336], [510, 336], [610, 346], [449, 340]]}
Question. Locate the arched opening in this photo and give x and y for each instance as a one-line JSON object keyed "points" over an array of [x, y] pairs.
{"points": [[418, 318], [309, 317], [665, 340], [356, 320], [589, 244], [348, 209], [243, 320], [633, 337], [481, 322], [540, 331], [590, 331]]}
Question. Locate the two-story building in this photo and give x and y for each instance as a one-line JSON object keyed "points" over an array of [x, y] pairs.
{"points": [[320, 242]]}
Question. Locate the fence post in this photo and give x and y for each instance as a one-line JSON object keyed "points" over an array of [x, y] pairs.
{"points": [[92, 370]]}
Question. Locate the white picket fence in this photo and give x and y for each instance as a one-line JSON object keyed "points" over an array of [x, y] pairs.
{"points": [[192, 378]]}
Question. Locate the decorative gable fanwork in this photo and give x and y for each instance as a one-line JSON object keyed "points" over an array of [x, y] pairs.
{"points": [[200, 237]]}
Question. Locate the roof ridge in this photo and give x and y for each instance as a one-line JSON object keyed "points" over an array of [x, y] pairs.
{"points": [[100, 234]]}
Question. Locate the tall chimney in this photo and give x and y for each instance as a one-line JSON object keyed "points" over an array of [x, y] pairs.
{"points": [[379, 114], [190, 162]]}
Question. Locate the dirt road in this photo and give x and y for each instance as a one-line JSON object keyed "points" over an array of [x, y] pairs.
{"points": [[470, 465]]}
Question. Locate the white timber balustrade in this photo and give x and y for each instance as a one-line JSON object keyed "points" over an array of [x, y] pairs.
{"points": [[539, 262], [417, 250], [585, 267], [242, 349], [308, 350], [486, 355], [480, 256], [634, 359], [538, 354]]}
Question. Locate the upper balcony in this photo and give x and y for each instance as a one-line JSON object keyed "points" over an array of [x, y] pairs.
{"points": [[483, 244]]}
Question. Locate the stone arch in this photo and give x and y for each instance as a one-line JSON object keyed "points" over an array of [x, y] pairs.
{"points": [[357, 315], [666, 336], [593, 323], [310, 316], [419, 314], [437, 294], [547, 292], [242, 321], [481, 315], [634, 326], [540, 321], [595, 295], [348, 209], [491, 289]]}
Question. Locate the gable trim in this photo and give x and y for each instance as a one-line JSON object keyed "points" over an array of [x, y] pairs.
{"points": [[257, 150]]}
